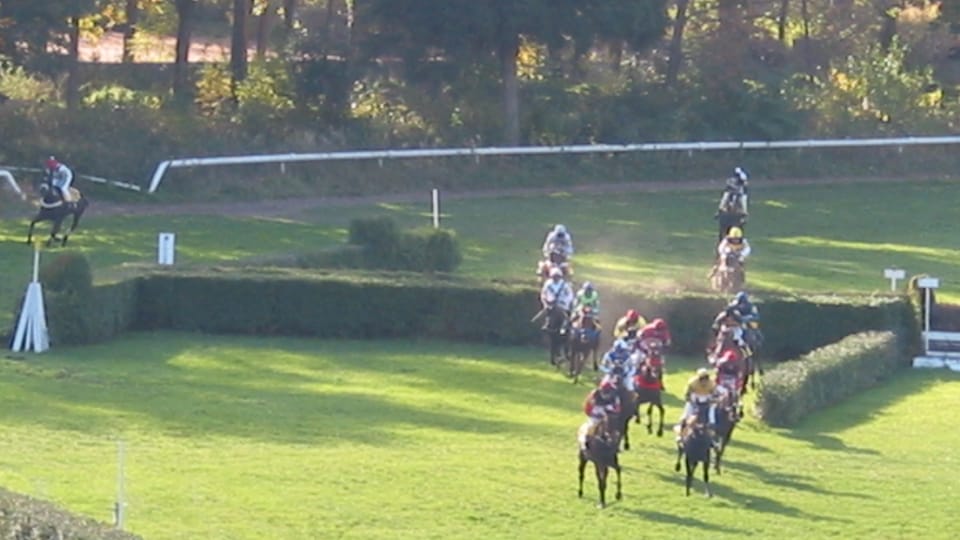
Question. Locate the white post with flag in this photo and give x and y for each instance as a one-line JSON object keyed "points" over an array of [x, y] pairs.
{"points": [[31, 333]]}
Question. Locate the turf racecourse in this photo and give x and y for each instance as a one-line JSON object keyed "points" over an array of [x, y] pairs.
{"points": [[805, 238], [250, 438]]}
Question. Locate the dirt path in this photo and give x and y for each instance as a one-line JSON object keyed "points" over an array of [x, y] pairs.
{"points": [[288, 208]]}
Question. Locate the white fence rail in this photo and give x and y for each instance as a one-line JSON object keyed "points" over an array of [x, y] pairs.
{"points": [[164, 166], [5, 172]]}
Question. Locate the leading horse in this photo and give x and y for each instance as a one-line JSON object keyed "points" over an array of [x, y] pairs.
{"points": [[601, 448], [54, 209]]}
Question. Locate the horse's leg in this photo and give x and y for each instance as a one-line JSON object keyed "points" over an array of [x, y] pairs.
{"points": [[679, 455], [660, 425], [626, 434], [691, 468], [616, 467], [650, 418], [30, 231], [706, 476], [601, 483], [583, 465]]}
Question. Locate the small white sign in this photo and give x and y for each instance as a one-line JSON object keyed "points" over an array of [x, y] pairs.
{"points": [[165, 248], [894, 273], [928, 283]]}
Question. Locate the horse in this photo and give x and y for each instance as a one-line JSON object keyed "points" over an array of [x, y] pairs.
{"points": [[556, 260], [558, 335], [728, 274], [54, 209], [648, 383], [695, 447], [585, 342], [728, 415], [628, 406], [601, 448], [754, 338], [730, 215]]}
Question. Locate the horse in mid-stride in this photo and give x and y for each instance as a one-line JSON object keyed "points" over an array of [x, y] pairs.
{"points": [[54, 209], [601, 448], [695, 447], [648, 383]]}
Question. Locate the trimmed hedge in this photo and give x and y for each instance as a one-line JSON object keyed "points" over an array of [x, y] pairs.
{"points": [[370, 304], [828, 375], [423, 249], [28, 518]]}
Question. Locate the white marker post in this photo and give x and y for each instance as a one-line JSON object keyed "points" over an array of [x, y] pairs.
{"points": [[893, 274], [31, 333], [165, 248], [927, 284], [436, 209]]}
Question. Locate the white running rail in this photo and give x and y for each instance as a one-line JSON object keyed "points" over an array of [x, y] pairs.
{"points": [[163, 166]]}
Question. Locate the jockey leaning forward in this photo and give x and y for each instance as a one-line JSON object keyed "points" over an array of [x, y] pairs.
{"points": [[600, 404]]}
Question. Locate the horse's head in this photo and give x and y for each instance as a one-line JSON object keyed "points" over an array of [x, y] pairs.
{"points": [[557, 257], [557, 319]]}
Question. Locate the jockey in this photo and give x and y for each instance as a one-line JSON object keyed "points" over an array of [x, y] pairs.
{"points": [[588, 296], [558, 240], [556, 292], [619, 360], [734, 243], [655, 330], [59, 176], [651, 340], [701, 392], [736, 186], [631, 321], [730, 370], [744, 307], [600, 403]]}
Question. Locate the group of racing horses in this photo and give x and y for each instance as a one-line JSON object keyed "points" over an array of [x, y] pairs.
{"points": [[574, 343]]}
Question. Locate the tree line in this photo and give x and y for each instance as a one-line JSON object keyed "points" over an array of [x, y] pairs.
{"points": [[523, 71]]}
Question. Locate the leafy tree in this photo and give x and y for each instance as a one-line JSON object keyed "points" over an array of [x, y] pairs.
{"points": [[468, 33]]}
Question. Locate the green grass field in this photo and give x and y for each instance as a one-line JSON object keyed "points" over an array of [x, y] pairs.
{"points": [[249, 438], [814, 238], [283, 438]]}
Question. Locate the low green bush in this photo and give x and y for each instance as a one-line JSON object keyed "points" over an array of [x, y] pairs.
{"points": [[828, 375], [417, 250]]}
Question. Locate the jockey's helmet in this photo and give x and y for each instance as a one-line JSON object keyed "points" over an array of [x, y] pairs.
{"points": [[587, 286], [52, 163], [735, 232], [741, 298], [560, 230], [740, 174], [703, 373], [633, 316], [607, 387], [660, 324]]}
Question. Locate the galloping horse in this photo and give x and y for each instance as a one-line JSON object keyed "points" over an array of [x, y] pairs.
{"points": [[728, 274], [558, 335], [585, 342], [730, 215], [649, 390], [54, 209], [695, 446], [556, 259], [728, 415], [628, 406], [601, 448]]}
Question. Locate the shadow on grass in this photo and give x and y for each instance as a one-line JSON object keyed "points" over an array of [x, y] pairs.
{"points": [[747, 501], [303, 399], [789, 481], [683, 521], [818, 429]]}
